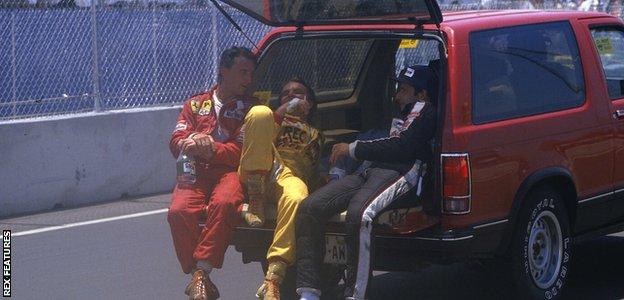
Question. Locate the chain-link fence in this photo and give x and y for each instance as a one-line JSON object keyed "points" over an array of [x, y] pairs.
{"points": [[61, 56], [68, 56]]}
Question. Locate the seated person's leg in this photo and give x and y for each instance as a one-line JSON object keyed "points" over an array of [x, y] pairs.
{"points": [[256, 160], [312, 216], [289, 191], [358, 227]]}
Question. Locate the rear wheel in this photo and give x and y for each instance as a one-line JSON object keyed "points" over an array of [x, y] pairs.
{"points": [[541, 247]]}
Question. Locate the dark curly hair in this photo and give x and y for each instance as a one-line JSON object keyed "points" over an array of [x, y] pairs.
{"points": [[228, 57]]}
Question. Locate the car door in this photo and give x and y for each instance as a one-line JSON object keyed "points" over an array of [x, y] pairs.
{"points": [[608, 39]]}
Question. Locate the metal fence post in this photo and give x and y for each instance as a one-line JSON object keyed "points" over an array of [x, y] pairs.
{"points": [[13, 66], [154, 45], [214, 37], [97, 105]]}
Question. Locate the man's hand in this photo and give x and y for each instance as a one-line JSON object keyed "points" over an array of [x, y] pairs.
{"points": [[302, 108], [199, 144], [188, 146], [339, 150], [204, 144], [203, 141]]}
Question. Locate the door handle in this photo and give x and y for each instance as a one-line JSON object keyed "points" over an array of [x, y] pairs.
{"points": [[619, 114]]}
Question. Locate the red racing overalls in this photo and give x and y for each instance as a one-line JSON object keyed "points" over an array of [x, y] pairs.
{"points": [[217, 194]]}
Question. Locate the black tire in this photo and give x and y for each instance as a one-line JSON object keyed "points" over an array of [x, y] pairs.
{"points": [[541, 246]]}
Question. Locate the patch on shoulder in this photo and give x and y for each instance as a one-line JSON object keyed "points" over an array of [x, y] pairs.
{"points": [[194, 106], [205, 107]]}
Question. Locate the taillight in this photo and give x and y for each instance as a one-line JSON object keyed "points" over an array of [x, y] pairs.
{"points": [[455, 183]]}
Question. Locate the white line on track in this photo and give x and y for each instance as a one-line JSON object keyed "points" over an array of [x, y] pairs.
{"points": [[104, 220]]}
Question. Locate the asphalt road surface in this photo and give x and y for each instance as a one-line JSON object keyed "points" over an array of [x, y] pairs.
{"points": [[123, 250]]}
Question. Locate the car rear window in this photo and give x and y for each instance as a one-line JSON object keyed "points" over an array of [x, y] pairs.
{"points": [[524, 70], [329, 66], [416, 52]]}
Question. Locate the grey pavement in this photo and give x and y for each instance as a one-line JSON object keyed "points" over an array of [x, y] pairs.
{"points": [[134, 259]]}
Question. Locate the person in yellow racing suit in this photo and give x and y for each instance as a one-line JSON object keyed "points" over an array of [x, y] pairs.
{"points": [[279, 161]]}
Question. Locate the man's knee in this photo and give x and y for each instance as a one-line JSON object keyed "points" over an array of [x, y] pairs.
{"points": [[259, 112], [177, 214], [221, 206], [312, 206], [294, 196], [178, 210]]}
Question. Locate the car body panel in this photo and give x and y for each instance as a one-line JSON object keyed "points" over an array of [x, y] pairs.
{"points": [[577, 139], [510, 157]]}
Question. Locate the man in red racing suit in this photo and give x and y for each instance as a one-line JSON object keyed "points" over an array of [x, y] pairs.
{"points": [[209, 130]]}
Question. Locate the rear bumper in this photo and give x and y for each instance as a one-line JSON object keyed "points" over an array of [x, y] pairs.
{"points": [[399, 252]]}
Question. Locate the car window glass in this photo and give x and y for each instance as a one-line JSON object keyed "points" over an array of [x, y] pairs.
{"points": [[524, 70], [330, 66], [416, 52], [610, 45]]}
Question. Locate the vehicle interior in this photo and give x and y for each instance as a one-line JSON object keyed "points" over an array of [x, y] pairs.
{"points": [[353, 78]]}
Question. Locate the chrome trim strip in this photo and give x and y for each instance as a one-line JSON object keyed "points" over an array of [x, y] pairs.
{"points": [[446, 239], [596, 197], [491, 224], [431, 239], [618, 191]]}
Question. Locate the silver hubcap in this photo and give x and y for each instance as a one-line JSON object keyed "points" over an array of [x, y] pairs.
{"points": [[545, 249]]}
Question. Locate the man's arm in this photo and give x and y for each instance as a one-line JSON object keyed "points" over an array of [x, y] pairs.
{"points": [[402, 147], [227, 153], [183, 129]]}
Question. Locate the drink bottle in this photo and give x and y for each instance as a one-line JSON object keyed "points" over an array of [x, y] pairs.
{"points": [[186, 169]]}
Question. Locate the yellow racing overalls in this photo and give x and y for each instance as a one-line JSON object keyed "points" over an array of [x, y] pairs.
{"points": [[288, 150]]}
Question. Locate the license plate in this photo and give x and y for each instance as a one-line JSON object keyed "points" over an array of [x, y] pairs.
{"points": [[335, 250]]}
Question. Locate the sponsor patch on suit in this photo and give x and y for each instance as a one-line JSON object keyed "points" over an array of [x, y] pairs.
{"points": [[206, 107], [234, 114], [180, 126], [194, 106]]}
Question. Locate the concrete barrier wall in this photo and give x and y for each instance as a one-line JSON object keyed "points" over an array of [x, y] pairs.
{"points": [[85, 159]]}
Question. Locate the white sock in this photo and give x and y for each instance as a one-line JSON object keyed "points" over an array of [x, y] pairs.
{"points": [[204, 265], [310, 294]]}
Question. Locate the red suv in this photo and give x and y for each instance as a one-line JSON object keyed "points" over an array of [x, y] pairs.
{"points": [[531, 130]]}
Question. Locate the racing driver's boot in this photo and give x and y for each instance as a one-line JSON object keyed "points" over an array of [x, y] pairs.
{"points": [[270, 288], [201, 288], [253, 213]]}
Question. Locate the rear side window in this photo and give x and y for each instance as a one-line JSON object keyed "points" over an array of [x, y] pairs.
{"points": [[524, 70], [610, 45]]}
